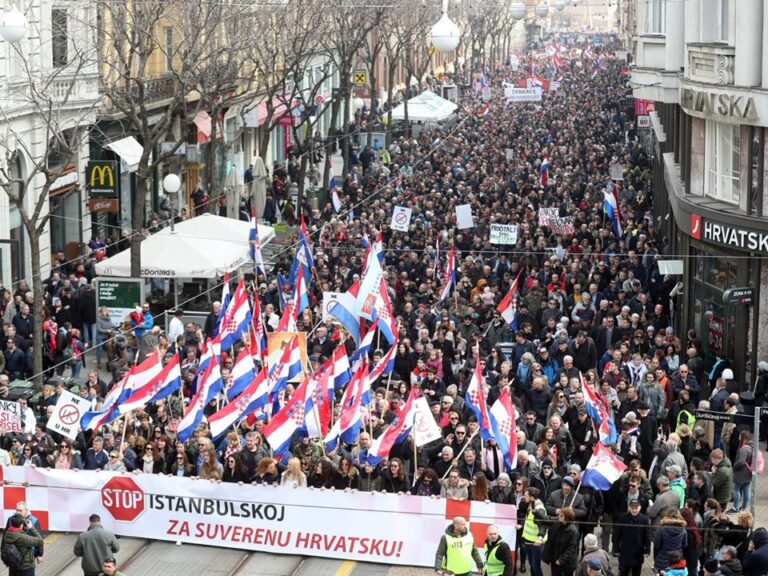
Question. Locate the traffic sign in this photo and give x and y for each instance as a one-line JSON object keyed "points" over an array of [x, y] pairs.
{"points": [[743, 295], [359, 78], [123, 498]]}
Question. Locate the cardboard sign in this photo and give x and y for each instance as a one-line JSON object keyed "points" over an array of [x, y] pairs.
{"points": [[401, 219], [464, 216], [503, 234], [10, 416], [67, 414], [425, 429]]}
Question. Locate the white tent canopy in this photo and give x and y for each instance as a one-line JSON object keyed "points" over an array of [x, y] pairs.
{"points": [[426, 107], [202, 247]]}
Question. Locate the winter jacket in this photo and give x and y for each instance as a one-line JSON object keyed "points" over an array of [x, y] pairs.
{"points": [[558, 500], [671, 536], [25, 543], [741, 472], [598, 555], [632, 539], [546, 485], [722, 482], [94, 545], [562, 546], [756, 561], [667, 500]]}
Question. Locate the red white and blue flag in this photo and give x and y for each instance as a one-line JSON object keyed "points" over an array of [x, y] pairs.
{"points": [[237, 317], [317, 411], [449, 277], [502, 415], [243, 372], [139, 376], [544, 171], [508, 305], [281, 428], [154, 388], [255, 243], [606, 429], [475, 398], [241, 406], [603, 469], [224, 305], [340, 362], [210, 385], [396, 433], [95, 419], [484, 110], [347, 426], [258, 332]]}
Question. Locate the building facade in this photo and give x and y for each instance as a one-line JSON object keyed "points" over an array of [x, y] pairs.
{"points": [[701, 79]]}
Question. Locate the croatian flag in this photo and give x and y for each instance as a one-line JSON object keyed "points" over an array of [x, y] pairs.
{"points": [[366, 343], [508, 305], [475, 398], [344, 311], [224, 304], [483, 111], [255, 243], [138, 377], [502, 416], [161, 386], [396, 433], [95, 419], [258, 333], [337, 205], [383, 313], [211, 385], [280, 430], [340, 367], [243, 373], [449, 278], [596, 409], [211, 350], [385, 365], [317, 410], [612, 213], [544, 171], [288, 366], [237, 318], [347, 426], [252, 397], [603, 469]]}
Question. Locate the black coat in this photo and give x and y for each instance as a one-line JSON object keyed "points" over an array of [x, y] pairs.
{"points": [[632, 539], [563, 546]]}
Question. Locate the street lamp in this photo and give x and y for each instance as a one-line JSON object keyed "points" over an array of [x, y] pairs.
{"points": [[517, 10], [172, 185], [445, 34], [560, 5], [542, 10], [13, 25]]}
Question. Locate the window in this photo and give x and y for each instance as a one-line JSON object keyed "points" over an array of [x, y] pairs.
{"points": [[655, 17], [722, 25], [169, 48], [723, 151], [59, 37]]}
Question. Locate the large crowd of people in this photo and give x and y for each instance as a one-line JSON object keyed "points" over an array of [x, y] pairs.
{"points": [[590, 303]]}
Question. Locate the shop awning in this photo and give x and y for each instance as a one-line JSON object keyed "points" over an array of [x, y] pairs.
{"points": [[259, 115], [129, 150], [203, 122]]}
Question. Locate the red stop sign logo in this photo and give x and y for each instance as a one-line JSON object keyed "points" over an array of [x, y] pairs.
{"points": [[123, 498]]}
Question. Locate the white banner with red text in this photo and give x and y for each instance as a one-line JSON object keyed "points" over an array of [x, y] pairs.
{"points": [[364, 526]]}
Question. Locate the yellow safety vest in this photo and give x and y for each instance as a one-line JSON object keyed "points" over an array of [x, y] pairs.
{"points": [[493, 566], [530, 528], [458, 555]]}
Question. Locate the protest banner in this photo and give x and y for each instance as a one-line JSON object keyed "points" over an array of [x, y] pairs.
{"points": [[503, 234], [550, 217], [67, 414], [401, 218], [362, 526], [523, 94], [10, 416]]}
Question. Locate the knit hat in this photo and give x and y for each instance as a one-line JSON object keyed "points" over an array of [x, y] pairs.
{"points": [[546, 462], [567, 480], [590, 542]]}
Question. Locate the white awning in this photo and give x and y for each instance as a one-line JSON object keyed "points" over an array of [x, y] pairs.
{"points": [[129, 150], [203, 122]]}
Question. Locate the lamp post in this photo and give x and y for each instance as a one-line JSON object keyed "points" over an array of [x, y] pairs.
{"points": [[172, 185], [13, 25]]}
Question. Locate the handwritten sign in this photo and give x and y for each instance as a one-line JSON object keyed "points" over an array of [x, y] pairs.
{"points": [[67, 414], [503, 234], [10, 416], [550, 217]]}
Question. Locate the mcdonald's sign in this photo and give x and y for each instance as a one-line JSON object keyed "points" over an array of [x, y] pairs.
{"points": [[103, 178]]}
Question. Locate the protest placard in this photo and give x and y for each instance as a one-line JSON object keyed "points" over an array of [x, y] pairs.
{"points": [[503, 234], [10, 416]]}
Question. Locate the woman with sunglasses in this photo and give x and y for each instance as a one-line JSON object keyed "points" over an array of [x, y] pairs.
{"points": [[151, 462], [501, 492], [116, 463], [65, 458], [181, 465], [234, 470], [394, 480], [30, 457]]}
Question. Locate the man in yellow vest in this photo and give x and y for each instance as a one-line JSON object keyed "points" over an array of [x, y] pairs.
{"points": [[498, 556], [534, 529], [457, 550]]}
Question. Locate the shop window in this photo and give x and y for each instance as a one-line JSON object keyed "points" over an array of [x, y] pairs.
{"points": [[723, 152], [722, 22], [59, 37], [755, 187], [655, 17]]}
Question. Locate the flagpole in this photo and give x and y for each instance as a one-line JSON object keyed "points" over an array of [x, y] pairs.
{"points": [[456, 459]]}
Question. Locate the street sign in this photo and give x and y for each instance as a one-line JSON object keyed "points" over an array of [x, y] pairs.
{"points": [[743, 295], [741, 418], [359, 78]]}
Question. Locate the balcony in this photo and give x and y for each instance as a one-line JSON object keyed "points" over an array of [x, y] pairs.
{"points": [[711, 63]]}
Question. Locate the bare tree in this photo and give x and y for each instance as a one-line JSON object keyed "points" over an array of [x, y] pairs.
{"points": [[138, 39], [44, 126]]}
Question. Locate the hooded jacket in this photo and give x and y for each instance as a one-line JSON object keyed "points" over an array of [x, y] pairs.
{"points": [[671, 536], [756, 561], [25, 543]]}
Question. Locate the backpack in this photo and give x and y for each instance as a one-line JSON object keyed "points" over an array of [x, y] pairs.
{"points": [[11, 555], [760, 462], [685, 416]]}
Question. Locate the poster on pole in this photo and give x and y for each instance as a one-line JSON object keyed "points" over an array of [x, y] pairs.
{"points": [[329, 301], [67, 414], [401, 219], [425, 429], [503, 234], [464, 216], [10, 416]]}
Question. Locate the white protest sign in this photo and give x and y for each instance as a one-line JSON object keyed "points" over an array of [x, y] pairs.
{"points": [[363, 526], [10, 416], [67, 414], [401, 218], [329, 301], [547, 214], [523, 94], [503, 234], [554, 85], [425, 429], [464, 216], [509, 154]]}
